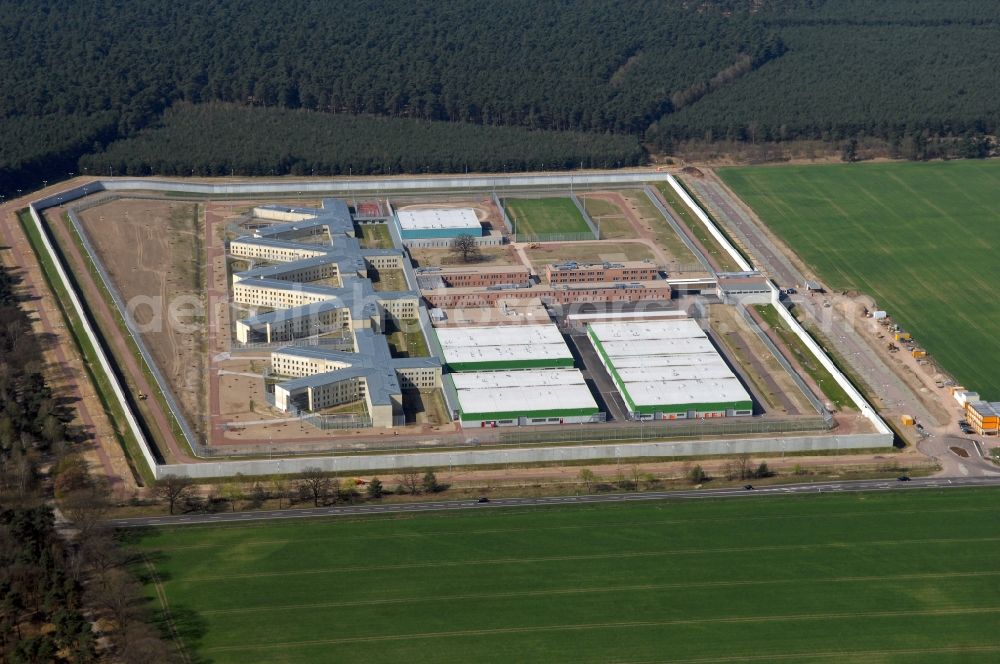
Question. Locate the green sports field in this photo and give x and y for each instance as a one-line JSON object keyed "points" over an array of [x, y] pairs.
{"points": [[545, 216], [880, 577], [923, 239]]}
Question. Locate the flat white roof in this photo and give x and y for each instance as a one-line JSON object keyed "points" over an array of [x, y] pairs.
{"points": [[411, 220], [676, 360], [522, 391], [663, 374], [679, 392], [669, 362], [489, 380], [642, 330], [650, 347], [502, 343]]}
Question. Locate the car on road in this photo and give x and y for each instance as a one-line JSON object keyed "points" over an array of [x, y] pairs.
{"points": [[748, 487], [483, 499], [903, 478]]}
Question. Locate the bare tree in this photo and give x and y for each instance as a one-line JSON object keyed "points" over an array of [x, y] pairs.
{"points": [[117, 593], [316, 482], [101, 552], [743, 466], [173, 489], [87, 508], [410, 481], [142, 642], [466, 247]]}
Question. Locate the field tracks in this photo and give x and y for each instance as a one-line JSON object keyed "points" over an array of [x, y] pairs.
{"points": [[168, 618], [534, 629], [599, 589], [600, 556]]}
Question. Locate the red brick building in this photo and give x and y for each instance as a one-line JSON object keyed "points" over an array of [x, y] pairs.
{"points": [[452, 298], [577, 273]]}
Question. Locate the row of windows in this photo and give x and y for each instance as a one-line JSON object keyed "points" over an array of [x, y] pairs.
{"points": [[241, 250]]}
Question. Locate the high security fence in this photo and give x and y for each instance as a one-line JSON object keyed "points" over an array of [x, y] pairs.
{"points": [[698, 446]]}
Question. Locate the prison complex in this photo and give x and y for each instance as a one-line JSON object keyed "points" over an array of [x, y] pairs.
{"points": [[323, 286]]}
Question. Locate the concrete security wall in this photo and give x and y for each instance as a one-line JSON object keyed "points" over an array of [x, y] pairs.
{"points": [[862, 404], [704, 218], [369, 463], [130, 419], [394, 462]]}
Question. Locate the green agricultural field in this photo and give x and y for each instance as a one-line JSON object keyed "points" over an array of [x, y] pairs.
{"points": [[887, 577], [922, 238], [545, 216]]}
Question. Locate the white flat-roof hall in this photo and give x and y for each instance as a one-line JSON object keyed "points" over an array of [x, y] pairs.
{"points": [[503, 347], [668, 370], [524, 396], [434, 219]]}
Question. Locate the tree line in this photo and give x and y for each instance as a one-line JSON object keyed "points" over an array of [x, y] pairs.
{"points": [[55, 587], [104, 70], [82, 75], [226, 139]]}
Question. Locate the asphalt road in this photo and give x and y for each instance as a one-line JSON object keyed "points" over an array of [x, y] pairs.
{"points": [[450, 505], [593, 369]]}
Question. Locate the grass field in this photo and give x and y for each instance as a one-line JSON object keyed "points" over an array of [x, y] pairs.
{"points": [[923, 239], [373, 236], [887, 577], [545, 216]]}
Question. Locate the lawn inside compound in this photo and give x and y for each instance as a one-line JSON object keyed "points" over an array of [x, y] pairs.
{"points": [[545, 216], [887, 577], [922, 239]]}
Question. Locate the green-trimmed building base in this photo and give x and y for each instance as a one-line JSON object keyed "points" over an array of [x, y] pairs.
{"points": [[545, 363]]}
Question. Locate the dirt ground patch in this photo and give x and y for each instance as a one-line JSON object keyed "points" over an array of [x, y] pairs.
{"points": [[425, 407], [504, 255], [650, 223], [153, 251], [960, 452], [769, 378], [542, 254]]}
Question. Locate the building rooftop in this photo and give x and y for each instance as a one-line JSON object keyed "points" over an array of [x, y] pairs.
{"points": [[427, 219], [371, 361], [473, 269], [271, 271], [523, 392], [607, 265], [335, 214], [499, 344], [667, 363], [986, 408]]}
